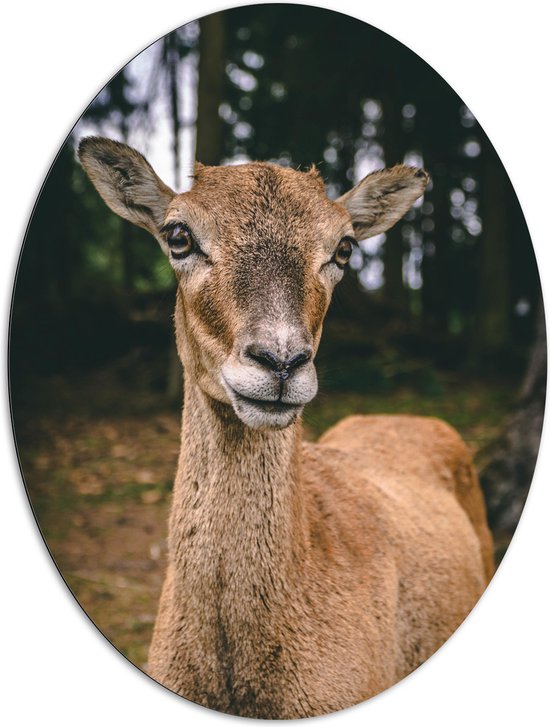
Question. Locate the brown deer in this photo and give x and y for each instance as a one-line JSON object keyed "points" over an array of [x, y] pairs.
{"points": [[302, 578]]}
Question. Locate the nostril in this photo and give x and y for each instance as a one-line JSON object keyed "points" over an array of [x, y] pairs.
{"points": [[281, 367], [298, 360], [265, 358]]}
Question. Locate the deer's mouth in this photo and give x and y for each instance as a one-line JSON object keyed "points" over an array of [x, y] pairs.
{"points": [[261, 398], [267, 405], [262, 413]]}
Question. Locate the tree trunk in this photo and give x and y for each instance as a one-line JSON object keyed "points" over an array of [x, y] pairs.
{"points": [[173, 61], [492, 325], [509, 462], [210, 88], [436, 271]]}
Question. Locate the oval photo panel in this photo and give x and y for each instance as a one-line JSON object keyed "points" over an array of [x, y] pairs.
{"points": [[322, 256]]}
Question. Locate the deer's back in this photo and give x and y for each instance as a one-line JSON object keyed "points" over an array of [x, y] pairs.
{"points": [[401, 509], [418, 457]]}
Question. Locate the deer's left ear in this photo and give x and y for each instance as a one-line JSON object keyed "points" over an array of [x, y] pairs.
{"points": [[382, 198]]}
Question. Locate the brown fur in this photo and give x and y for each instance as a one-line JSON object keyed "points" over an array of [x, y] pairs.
{"points": [[302, 578]]}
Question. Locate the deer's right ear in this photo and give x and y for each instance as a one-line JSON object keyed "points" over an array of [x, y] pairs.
{"points": [[127, 182]]}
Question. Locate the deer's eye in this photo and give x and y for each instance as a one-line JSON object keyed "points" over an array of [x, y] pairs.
{"points": [[343, 251], [180, 241]]}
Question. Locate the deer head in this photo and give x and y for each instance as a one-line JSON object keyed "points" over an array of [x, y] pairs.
{"points": [[257, 250]]}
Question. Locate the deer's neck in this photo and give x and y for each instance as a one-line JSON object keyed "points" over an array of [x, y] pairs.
{"points": [[237, 529]]}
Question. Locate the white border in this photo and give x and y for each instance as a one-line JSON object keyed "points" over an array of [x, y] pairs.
{"points": [[56, 667]]}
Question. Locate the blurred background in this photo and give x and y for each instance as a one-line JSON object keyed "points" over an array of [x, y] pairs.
{"points": [[441, 316]]}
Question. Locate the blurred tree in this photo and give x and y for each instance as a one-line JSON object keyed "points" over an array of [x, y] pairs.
{"points": [[50, 261], [211, 85], [117, 106], [395, 148], [167, 77], [494, 305], [171, 57], [439, 131], [508, 463]]}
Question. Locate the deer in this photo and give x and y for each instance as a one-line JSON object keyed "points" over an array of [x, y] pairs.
{"points": [[301, 577]]}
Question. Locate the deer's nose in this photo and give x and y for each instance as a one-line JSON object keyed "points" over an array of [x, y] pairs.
{"points": [[282, 368]]}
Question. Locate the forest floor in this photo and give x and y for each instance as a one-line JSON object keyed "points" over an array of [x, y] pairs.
{"points": [[99, 456]]}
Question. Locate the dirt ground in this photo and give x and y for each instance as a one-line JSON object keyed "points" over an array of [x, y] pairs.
{"points": [[99, 462]]}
